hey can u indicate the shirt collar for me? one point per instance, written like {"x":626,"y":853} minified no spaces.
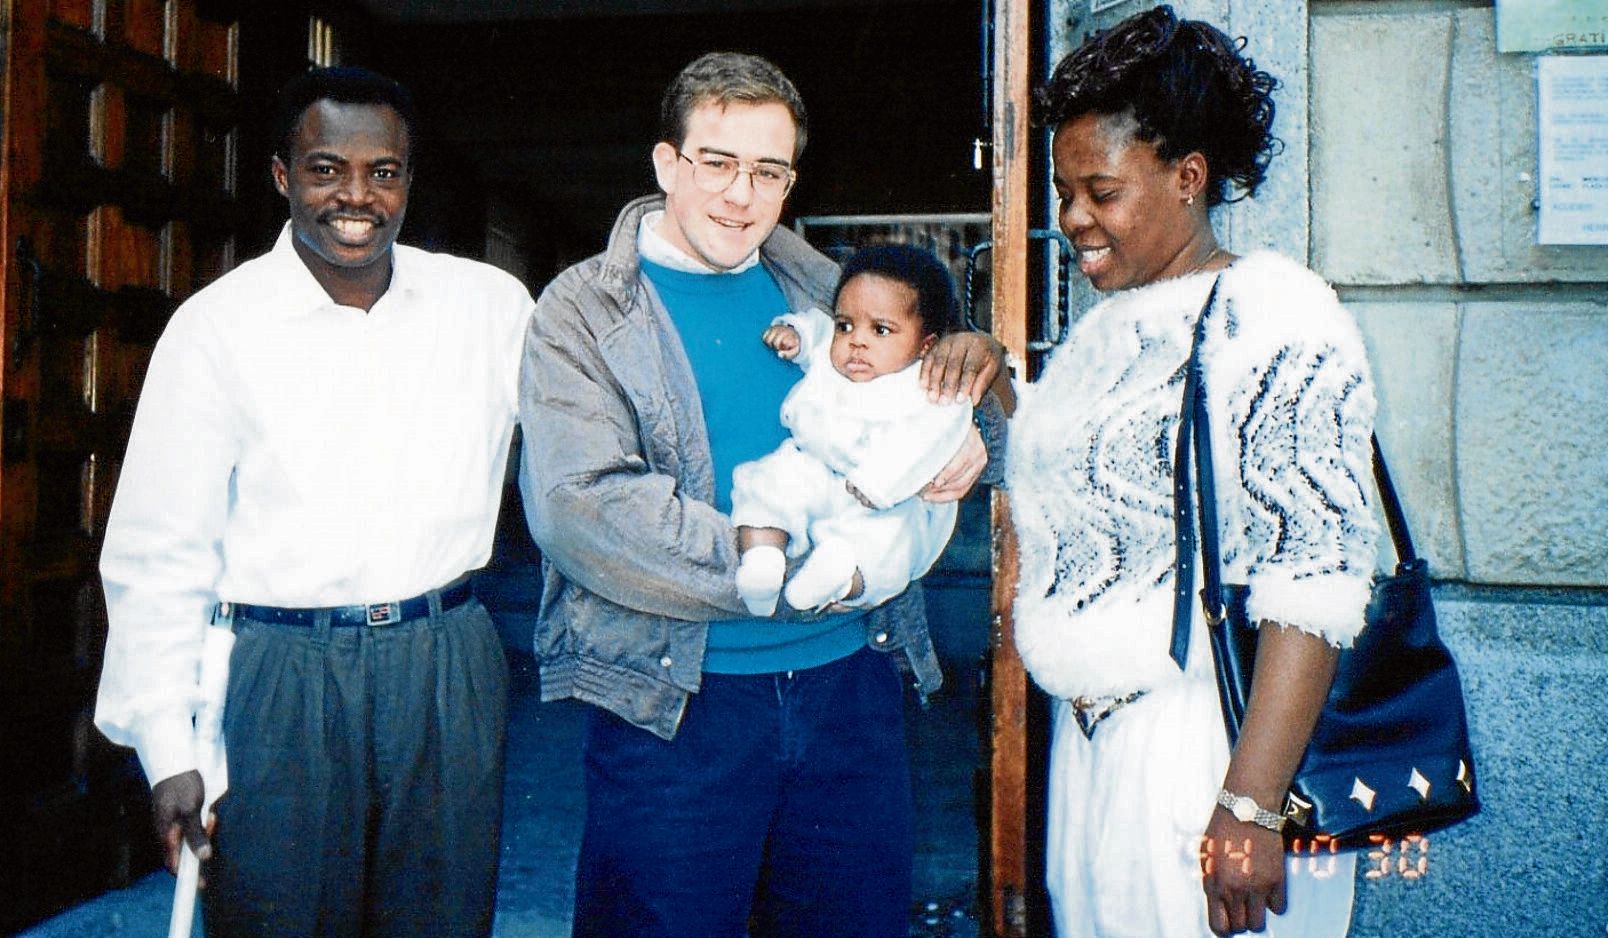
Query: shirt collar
{"x":656,"y":248}
{"x":303,"y":295}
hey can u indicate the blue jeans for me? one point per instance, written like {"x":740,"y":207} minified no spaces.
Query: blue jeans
{"x":782,"y":807}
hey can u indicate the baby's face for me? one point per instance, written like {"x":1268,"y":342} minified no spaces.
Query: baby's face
{"x":876,"y":329}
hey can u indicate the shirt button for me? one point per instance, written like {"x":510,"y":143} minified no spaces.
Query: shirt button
{"x":665,"y":662}
{"x":881,"y":638}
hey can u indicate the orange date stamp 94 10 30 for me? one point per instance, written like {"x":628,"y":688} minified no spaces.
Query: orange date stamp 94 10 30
{"x":1317,"y":856}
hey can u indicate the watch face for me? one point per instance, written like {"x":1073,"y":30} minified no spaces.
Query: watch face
{"x":1244,"y":808}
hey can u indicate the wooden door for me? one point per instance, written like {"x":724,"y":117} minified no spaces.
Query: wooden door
{"x":1016,"y":899}
{"x":117,"y":199}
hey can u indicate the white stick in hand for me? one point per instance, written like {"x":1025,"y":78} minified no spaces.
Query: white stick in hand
{"x":184,"y":893}
{"x":209,"y":749}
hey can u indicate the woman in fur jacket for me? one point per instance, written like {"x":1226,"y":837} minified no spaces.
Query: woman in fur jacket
{"x":1155,"y":827}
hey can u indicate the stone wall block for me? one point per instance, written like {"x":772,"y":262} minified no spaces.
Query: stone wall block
{"x":1494,"y":168}
{"x":1412,"y":348}
{"x":1531,"y":438}
{"x":1381,"y":210}
{"x":1277,"y":217}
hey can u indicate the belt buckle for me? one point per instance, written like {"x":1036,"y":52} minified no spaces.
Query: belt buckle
{"x":1083,"y":710}
{"x":384,"y":613}
{"x":1091,"y":711}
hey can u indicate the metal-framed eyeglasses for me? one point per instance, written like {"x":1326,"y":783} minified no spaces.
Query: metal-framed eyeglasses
{"x":715,"y":172}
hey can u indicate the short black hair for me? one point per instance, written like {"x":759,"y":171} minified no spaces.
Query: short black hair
{"x":916,"y":268}
{"x":1189,"y":87}
{"x":344,"y":85}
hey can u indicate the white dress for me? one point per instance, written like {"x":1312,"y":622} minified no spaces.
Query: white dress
{"x":1090,"y":479}
{"x":882,"y":435}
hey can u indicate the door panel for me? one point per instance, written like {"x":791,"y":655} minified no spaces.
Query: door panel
{"x":118,"y":201}
{"x":1018,"y":905}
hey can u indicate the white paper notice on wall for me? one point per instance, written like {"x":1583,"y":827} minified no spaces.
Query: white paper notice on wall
{"x":1534,"y":25}
{"x":1572,"y":103}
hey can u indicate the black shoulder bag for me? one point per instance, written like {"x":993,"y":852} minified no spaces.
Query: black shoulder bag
{"x":1390,"y":753}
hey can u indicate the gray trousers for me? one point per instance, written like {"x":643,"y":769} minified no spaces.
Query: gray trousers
{"x":365,"y":779}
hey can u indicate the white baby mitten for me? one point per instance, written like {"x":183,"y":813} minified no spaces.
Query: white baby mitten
{"x":826,"y":577}
{"x":759,"y":578}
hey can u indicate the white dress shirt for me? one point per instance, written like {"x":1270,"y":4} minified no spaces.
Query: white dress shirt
{"x":290,"y":451}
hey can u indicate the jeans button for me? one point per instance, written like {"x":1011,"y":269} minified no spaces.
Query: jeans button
{"x":881,"y":638}
{"x":666,"y":661}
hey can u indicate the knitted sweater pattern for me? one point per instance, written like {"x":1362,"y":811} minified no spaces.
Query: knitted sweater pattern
{"x":1091,"y":461}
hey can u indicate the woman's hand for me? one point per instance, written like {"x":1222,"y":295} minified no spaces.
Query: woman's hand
{"x":1243,"y":867}
{"x":1292,"y":677}
{"x":961,"y":364}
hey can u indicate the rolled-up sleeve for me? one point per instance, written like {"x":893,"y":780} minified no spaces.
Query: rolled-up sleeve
{"x":994,"y":428}
{"x":1302,"y":529}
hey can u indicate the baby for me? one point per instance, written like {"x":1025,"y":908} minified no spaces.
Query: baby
{"x":865,"y":441}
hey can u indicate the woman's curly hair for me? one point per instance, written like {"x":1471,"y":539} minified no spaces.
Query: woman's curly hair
{"x":1187,"y":85}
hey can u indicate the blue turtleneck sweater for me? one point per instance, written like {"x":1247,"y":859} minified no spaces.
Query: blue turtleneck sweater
{"x":741,"y":384}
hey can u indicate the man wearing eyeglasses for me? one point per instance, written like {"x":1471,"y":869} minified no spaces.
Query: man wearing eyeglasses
{"x":743,"y":776}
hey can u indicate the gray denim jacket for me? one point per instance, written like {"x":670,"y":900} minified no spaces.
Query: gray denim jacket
{"x":618,"y":483}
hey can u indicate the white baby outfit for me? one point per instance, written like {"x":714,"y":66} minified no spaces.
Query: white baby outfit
{"x":1090,"y":479}
{"x":883,"y":436}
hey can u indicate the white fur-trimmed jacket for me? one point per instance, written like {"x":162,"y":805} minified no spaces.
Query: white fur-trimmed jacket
{"x":1091,"y":459}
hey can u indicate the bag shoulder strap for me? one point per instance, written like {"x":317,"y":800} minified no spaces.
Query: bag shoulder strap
{"x":1400,"y":536}
{"x":1183,"y":510}
{"x":1194,"y":433}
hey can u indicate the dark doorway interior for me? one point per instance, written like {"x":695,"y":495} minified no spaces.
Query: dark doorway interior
{"x":544,"y":125}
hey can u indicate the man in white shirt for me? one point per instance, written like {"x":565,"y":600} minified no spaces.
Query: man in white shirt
{"x":317,"y":462}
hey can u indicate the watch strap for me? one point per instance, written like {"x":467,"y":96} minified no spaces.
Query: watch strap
{"x":1245,"y":808}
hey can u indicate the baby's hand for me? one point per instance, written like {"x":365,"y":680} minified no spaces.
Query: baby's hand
{"x":783,"y":340}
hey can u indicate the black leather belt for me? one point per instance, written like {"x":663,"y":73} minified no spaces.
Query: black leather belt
{"x":453,"y":595}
